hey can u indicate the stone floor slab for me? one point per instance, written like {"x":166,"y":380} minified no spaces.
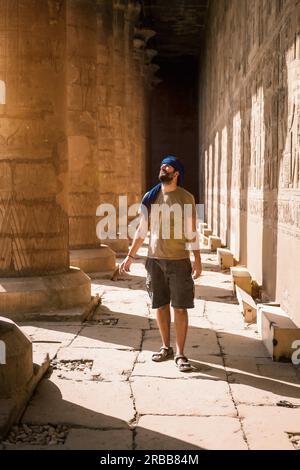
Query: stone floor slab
{"x":88,"y":404}
{"x":52,"y":332}
{"x":189,"y":433}
{"x":99,"y":336}
{"x":192,"y":396}
{"x":200,"y":341}
{"x":90,"y":439}
{"x":266,"y":427}
{"x":241,"y":345}
{"x":209,"y":367}
{"x":109,"y":364}
{"x":128,"y":316}
{"x":261,"y":391}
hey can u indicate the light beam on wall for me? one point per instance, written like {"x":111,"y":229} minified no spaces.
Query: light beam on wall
{"x":2,"y":92}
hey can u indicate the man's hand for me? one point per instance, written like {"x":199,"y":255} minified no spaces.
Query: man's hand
{"x":125,"y":265}
{"x":196,"y":269}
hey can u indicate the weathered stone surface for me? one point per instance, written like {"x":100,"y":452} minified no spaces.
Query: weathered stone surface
{"x":89,"y":439}
{"x":189,"y":433}
{"x":249,"y":119}
{"x":93,"y":405}
{"x":103,"y":385}
{"x":241,"y":345}
{"x":16,"y":366}
{"x":266,"y":427}
{"x":108,"y":364}
{"x":21,"y":391}
{"x":256,"y":390}
{"x":205,"y":367}
{"x":199,"y":342}
{"x":81,"y":58}
{"x":101,"y":259}
{"x":52,"y":333}
{"x":105,"y":337}
{"x":33,"y":141}
{"x":173,"y":397}
{"x":127,"y":315}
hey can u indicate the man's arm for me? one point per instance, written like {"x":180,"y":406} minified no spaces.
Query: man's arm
{"x":138,"y":240}
{"x":197,"y":265}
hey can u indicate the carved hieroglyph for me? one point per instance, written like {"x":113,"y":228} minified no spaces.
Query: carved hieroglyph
{"x":33,"y":150}
{"x":81,"y":56}
{"x":251,"y":87}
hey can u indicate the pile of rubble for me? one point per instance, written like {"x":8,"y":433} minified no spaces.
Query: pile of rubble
{"x":79,"y":366}
{"x":37,"y":434}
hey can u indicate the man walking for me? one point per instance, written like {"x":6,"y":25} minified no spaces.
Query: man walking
{"x":169,"y":271}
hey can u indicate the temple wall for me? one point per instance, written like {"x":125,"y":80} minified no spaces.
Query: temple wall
{"x":249,"y":110}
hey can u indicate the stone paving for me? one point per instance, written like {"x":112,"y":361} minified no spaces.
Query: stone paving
{"x":104,"y":392}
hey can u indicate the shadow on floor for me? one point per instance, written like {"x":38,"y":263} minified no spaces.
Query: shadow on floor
{"x":89,"y":428}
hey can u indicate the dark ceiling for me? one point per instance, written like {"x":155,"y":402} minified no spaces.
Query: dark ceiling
{"x":179,"y":25}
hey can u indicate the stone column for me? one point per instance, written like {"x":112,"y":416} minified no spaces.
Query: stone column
{"x":34,"y":251}
{"x":141,"y":79}
{"x":86,"y":251}
{"x":113,"y":98}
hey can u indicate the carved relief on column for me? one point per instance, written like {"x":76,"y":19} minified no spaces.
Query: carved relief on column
{"x":119,"y":118}
{"x":131,"y":17}
{"x":34,"y":242}
{"x":81,"y":122}
{"x":105,"y":129}
{"x":33,"y":156}
{"x":141,"y":84}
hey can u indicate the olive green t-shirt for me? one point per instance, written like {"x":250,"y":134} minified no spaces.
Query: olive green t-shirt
{"x":168,"y":239}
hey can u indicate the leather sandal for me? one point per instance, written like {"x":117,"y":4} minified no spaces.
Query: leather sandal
{"x":163,"y":354}
{"x":183,"y":365}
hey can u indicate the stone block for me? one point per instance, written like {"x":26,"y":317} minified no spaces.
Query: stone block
{"x":225,"y":258}
{"x":189,"y":432}
{"x":207,"y":232}
{"x":119,"y":246}
{"x":242,"y":278}
{"x":204,"y":240}
{"x":214,"y":242}
{"x":35,"y":180}
{"x":247,"y":305}
{"x":44,"y":293}
{"x":102,"y":259}
{"x":16,"y":365}
{"x":202,"y":226}
{"x":278,"y":332}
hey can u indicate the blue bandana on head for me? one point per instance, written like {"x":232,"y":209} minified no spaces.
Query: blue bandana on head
{"x":151,"y":195}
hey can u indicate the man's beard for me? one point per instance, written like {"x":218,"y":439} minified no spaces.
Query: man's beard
{"x":166,"y":178}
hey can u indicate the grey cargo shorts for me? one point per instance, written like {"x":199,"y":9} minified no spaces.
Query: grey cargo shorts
{"x":170,"y":280}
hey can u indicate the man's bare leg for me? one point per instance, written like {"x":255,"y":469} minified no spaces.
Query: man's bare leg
{"x":163,"y":317}
{"x":181,"y":327}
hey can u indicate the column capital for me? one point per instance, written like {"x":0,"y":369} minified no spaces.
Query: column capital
{"x":133,"y":10}
{"x":144,"y":34}
{"x":119,"y":5}
{"x":149,"y":55}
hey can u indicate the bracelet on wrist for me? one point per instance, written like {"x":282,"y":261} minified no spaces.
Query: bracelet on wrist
{"x":130,"y":256}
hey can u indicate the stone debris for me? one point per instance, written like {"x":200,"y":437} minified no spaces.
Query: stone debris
{"x":295,"y":440}
{"x":66,"y":366}
{"x":108,"y":321}
{"x":37,"y":434}
{"x":286,"y":404}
